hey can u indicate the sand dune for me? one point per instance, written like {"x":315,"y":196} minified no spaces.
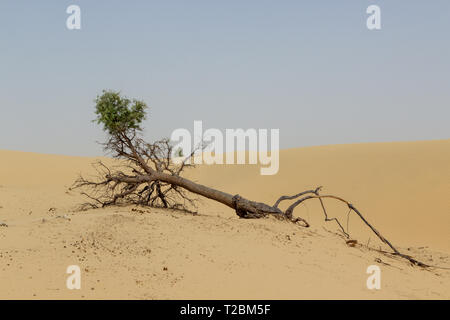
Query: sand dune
{"x":128,"y":252}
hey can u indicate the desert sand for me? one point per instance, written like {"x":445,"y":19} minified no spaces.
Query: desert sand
{"x":130,"y":252}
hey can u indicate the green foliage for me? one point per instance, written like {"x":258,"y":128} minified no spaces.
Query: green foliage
{"x":119,"y":114}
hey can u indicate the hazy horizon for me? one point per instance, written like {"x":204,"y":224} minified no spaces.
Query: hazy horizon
{"x":312,"y":70}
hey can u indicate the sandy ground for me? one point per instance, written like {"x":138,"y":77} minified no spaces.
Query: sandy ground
{"x":144,"y":253}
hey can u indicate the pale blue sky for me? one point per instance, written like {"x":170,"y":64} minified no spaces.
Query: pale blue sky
{"x":310,"y":68}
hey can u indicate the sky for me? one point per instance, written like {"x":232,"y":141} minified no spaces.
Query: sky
{"x":309,"y":68}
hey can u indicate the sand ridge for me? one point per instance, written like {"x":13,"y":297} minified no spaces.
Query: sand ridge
{"x":146,"y":253}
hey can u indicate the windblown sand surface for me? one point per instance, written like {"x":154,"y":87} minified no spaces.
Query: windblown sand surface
{"x":131,"y":252}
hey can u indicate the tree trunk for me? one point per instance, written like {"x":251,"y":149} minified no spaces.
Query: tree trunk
{"x":244,"y":207}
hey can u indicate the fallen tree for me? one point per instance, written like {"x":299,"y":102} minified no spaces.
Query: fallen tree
{"x":149,"y":177}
